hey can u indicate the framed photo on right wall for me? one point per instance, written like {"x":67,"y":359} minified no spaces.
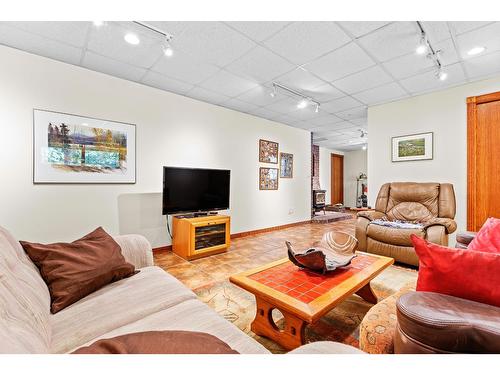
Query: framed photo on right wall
{"x":413,"y":147}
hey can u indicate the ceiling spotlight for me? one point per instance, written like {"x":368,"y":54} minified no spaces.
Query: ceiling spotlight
{"x":442,"y":75}
{"x":274,"y":92}
{"x":302,"y":104}
{"x":168,"y":51}
{"x":132,"y":38}
{"x":422,"y":47}
{"x":364,"y":147}
{"x":98,"y":23}
{"x":476,"y":51}
{"x":363,"y":133}
{"x":316,"y":110}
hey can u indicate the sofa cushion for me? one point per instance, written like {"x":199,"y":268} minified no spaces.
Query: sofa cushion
{"x":74,"y":270}
{"x":411,"y":201}
{"x":115,"y":305}
{"x":394,"y":236}
{"x":191,"y":315}
{"x":159,"y":342}
{"x":24,"y":301}
{"x":488,"y":237}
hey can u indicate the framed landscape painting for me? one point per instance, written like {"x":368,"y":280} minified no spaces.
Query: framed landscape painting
{"x":268,"y":151}
{"x":412,"y":147}
{"x":286,"y":165}
{"x":268,"y":178}
{"x":72,"y":149}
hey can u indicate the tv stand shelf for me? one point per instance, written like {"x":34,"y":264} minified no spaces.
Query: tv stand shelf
{"x":196,"y":237}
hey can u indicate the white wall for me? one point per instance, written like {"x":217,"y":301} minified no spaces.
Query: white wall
{"x":355,"y":162}
{"x":171,"y":130}
{"x":445,"y":114}
{"x":325,"y":170}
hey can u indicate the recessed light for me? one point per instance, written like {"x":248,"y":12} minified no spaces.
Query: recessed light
{"x":476,"y":51}
{"x":131,"y":38}
{"x":302,"y":104}
{"x":98,"y":23}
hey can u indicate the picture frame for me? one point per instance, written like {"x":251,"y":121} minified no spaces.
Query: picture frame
{"x":75,"y":149}
{"x":268,"y":178}
{"x":413,"y":147}
{"x":286,"y":165}
{"x":268,"y":151}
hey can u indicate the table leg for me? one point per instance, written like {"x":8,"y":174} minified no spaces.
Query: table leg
{"x":367,"y":294}
{"x":291,"y":337}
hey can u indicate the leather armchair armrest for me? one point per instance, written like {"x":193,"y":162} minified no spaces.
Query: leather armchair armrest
{"x":136,"y":250}
{"x":371,"y":215}
{"x":464,"y":239}
{"x":449,"y":224}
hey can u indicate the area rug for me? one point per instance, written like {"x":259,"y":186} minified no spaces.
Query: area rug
{"x":341,"y":324}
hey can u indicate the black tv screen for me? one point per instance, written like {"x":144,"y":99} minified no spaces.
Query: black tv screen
{"x":192,"y":189}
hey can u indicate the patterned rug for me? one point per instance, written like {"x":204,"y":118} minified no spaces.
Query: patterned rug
{"x":341,"y":324}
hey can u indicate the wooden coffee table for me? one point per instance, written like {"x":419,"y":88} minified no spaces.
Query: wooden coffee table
{"x":303,"y":297}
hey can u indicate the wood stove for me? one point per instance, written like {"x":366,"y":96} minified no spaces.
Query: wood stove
{"x":319,"y":200}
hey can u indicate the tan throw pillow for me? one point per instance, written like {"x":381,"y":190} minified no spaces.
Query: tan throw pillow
{"x":74,"y":270}
{"x":159,"y":342}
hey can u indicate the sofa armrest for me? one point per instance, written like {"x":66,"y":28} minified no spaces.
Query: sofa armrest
{"x":371,"y":215}
{"x":136,"y":250}
{"x":464,"y":239}
{"x":449,"y":224}
{"x":326,"y":347}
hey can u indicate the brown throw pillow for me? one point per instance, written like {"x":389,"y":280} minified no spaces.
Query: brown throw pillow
{"x":74,"y":270}
{"x":159,"y":342}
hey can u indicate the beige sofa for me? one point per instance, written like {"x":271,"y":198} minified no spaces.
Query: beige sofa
{"x":148,"y":301}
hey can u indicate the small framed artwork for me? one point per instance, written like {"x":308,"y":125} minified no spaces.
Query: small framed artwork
{"x":73,"y":149}
{"x":286,"y":165}
{"x":412,"y":147}
{"x":268,"y":178}
{"x":268,"y":151}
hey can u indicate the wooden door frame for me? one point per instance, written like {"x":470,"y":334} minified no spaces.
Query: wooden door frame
{"x":332,"y":155}
{"x":472,"y":103}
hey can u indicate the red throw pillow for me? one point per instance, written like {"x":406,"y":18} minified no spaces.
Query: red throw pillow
{"x":473,"y":275}
{"x":488,"y":237}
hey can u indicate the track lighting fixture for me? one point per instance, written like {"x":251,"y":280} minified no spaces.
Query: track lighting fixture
{"x":422,"y":47}
{"x":363,"y":133}
{"x":274,"y":92}
{"x":304,"y":100}
{"x":316,"y":109}
{"x":425,"y":47}
{"x":167,"y":46}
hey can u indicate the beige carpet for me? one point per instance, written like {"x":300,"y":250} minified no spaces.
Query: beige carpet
{"x":341,"y":324}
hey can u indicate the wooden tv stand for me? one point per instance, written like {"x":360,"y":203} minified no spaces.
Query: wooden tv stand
{"x":197,"y":237}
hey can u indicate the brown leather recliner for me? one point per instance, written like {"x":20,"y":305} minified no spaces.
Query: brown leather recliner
{"x":431,"y":204}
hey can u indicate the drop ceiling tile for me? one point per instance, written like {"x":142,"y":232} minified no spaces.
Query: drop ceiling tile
{"x":227,"y":84}
{"x":286,"y":119}
{"x":354,"y":113}
{"x":211,"y":42}
{"x":307,"y":114}
{"x":341,"y":104}
{"x":360,"y":28}
{"x":299,"y":79}
{"x":260,"y":64}
{"x":301,"y":42}
{"x":488,"y":36}
{"x":108,"y":40}
{"x":396,"y":39}
{"x":73,"y":33}
{"x":205,"y":95}
{"x":448,"y":54}
{"x":340,"y":63}
{"x":284,"y":106}
{"x":260,"y":95}
{"x":258,"y":31}
{"x":239,"y":105}
{"x":381,"y":94}
{"x":184,"y":67}
{"x":362,"y":122}
{"x":408,"y":65}
{"x":112,"y":67}
{"x":166,"y":83}
{"x":428,"y":81}
{"x":461,"y":27}
{"x":28,"y":42}
{"x":266,"y":113}
{"x":366,"y":79}
{"x":324,"y":120}
{"x":483,"y":66}
{"x":324,"y":93}
{"x":436,"y":31}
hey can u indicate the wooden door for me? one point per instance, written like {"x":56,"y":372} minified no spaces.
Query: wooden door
{"x":337,"y":179}
{"x":483,"y":159}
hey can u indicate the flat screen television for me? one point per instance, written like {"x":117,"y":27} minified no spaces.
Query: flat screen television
{"x":195,"y":190}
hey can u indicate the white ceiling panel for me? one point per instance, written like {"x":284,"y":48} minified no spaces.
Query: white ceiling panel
{"x":300,"y":79}
{"x":284,"y":105}
{"x":266,"y":113}
{"x":324,"y":93}
{"x":205,"y":95}
{"x":259,"y":95}
{"x":460,"y":27}
{"x":341,"y":104}
{"x":396,"y":39}
{"x":301,"y":42}
{"x":258,"y":31}
{"x":185,"y":68}
{"x":166,"y":83}
{"x":366,"y":79}
{"x":324,"y":120}
{"x":483,"y":66}
{"x":427,"y":81}
{"x":382,"y":94}
{"x":340,"y":63}
{"x":286,"y":119}
{"x":408,"y":65}
{"x":353,"y":113}
{"x":437,"y":31}
{"x":360,"y":28}
{"x":227,"y":84}
{"x":239,"y":105}
{"x":109,"y":66}
{"x":260,"y":64}
{"x":488,"y":36}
